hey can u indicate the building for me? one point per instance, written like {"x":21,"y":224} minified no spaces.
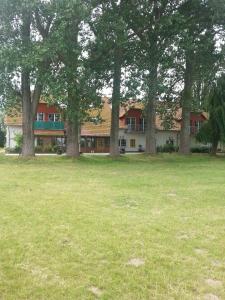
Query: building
{"x":49,"y":128}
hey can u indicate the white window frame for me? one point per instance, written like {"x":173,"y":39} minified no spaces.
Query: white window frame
{"x":38,"y":116}
{"x":54,"y":117}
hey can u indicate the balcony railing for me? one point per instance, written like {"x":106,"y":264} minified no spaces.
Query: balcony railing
{"x":135,"y":128}
{"x":42,"y":125}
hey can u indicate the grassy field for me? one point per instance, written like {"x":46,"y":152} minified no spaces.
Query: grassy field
{"x":134,"y":228}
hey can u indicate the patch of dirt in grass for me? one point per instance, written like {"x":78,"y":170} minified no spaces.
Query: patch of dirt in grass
{"x":136,"y":262}
{"x":211,"y":297}
{"x":96,"y":291}
{"x":172,"y":194}
{"x":216,"y":263}
{"x":43,"y":275}
{"x":156,"y":212}
{"x":214,"y":283}
{"x":183,"y":237}
{"x":200,"y":251}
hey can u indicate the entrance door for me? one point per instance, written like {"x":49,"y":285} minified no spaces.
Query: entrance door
{"x":100,"y":145}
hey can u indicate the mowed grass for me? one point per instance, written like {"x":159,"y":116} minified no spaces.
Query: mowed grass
{"x":69,"y":229}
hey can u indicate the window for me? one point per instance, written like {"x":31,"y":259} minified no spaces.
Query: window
{"x":123,"y":143}
{"x":51,"y":117}
{"x":57,"y":117}
{"x":132,"y":143}
{"x":141,"y":124}
{"x":54,"y":117}
{"x":131,"y":123}
{"x":40,"y":116}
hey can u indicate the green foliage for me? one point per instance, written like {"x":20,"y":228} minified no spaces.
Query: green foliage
{"x":167,"y":148}
{"x":19,"y":141}
{"x":2,"y":138}
{"x":2,"y":130}
{"x":213,"y":131}
{"x":205,"y":134}
{"x":201,"y":149}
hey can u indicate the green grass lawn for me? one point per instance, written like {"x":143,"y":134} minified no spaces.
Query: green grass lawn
{"x":75,"y":229}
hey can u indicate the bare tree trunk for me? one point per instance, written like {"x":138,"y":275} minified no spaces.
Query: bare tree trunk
{"x":27,"y":125}
{"x":72,"y":142}
{"x":186,"y":107}
{"x":73,"y":126}
{"x":29,"y":100}
{"x":150,"y":112}
{"x":114,"y":134}
{"x":27,"y":111}
{"x":214,"y":147}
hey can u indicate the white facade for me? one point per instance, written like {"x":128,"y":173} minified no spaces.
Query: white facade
{"x":11,"y":132}
{"x":133,"y":140}
{"x":136,"y":139}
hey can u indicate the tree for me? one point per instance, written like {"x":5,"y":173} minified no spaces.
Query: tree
{"x":111,"y":53}
{"x":214,"y":130}
{"x":25,"y":57}
{"x":153,"y":24}
{"x":70,"y":80}
{"x":2,"y":131}
{"x":196,"y":50}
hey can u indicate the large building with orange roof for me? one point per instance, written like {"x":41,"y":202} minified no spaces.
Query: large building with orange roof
{"x":50,"y":129}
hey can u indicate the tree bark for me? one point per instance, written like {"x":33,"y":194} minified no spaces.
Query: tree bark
{"x":114,"y":133}
{"x":214,"y":147}
{"x":151,"y":112}
{"x":30,"y":100}
{"x":27,"y":111}
{"x":73,"y":126}
{"x":186,"y":107}
{"x":72,"y":142}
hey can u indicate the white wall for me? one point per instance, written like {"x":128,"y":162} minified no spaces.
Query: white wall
{"x":11,"y":132}
{"x":161,"y":138}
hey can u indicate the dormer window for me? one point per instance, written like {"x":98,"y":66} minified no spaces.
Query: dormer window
{"x":54,"y":117}
{"x":131,"y":122}
{"x":40,"y":116}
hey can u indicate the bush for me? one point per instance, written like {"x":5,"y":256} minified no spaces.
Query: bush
{"x":19,"y":142}
{"x":201,"y":149}
{"x":167,"y":148}
{"x":59,"y":149}
{"x":48,"y":149}
{"x":39,"y":149}
{"x":2,"y":138}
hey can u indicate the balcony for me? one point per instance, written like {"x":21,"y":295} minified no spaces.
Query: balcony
{"x":41,"y":125}
{"x":135,"y":128}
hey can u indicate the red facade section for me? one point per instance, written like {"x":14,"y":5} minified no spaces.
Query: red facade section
{"x":132,"y":113}
{"x":46,"y":109}
{"x":196,"y":121}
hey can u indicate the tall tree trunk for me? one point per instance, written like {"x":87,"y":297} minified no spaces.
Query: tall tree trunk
{"x":114,"y":134}
{"x":72,"y":142}
{"x":73,"y":126}
{"x":150,"y":111}
{"x":27,"y":124}
{"x":27,"y":112}
{"x":214,"y":146}
{"x":186,"y":106}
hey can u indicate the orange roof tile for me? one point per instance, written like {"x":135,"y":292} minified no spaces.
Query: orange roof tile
{"x":101,"y":129}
